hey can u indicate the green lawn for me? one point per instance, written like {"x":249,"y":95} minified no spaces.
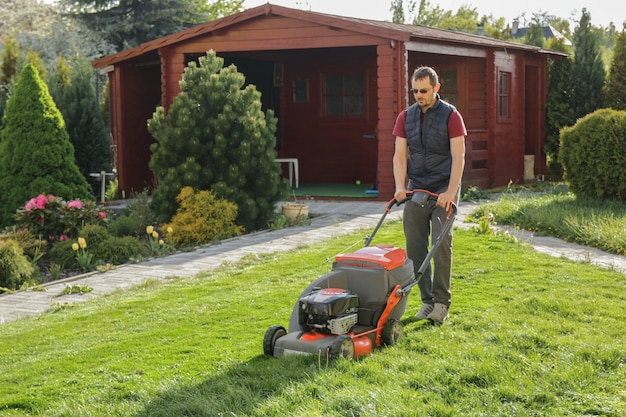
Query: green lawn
{"x":529,"y":335}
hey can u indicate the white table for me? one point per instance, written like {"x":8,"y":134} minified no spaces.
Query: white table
{"x":293,"y":166}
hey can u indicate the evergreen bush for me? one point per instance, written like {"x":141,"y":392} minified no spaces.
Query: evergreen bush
{"x":61,"y":253}
{"x":202,"y":218}
{"x":592,"y":154}
{"x":15,"y":267}
{"x":117,"y":250}
{"x":215,"y":136}
{"x":36,"y":156}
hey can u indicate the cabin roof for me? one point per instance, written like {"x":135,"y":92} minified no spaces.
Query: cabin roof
{"x":390,"y":30}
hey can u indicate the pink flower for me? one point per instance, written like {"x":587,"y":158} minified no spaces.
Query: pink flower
{"x":38,"y":203}
{"x":63,"y":237}
{"x":75,"y":204}
{"x":102,"y":214}
{"x":41,"y":201}
{"x":30,"y":205}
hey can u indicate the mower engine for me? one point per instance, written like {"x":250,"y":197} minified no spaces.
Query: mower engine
{"x":329,"y":310}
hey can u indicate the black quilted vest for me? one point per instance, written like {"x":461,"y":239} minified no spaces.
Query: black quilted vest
{"x":430,"y":160}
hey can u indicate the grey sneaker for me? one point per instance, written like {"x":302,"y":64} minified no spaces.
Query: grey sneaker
{"x":424,"y":312}
{"x":439,"y":314}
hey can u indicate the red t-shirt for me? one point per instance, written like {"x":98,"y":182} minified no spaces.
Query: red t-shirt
{"x":456,"y":126}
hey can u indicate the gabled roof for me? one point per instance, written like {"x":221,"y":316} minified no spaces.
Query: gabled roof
{"x":394,"y":31}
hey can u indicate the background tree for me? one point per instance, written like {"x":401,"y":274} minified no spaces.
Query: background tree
{"x":615,"y":88}
{"x":36,"y":156}
{"x":74,"y":92}
{"x":8,"y":72}
{"x":128,"y":23}
{"x":397,"y":11}
{"x":587,"y":74}
{"x":558,"y":112}
{"x":216,"y":137}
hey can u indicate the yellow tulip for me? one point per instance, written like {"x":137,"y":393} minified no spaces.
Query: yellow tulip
{"x":169,"y":230}
{"x":75,"y":246}
{"x":155,"y":234}
{"x":82,"y":242}
{"x":149,"y":229}
{"x":161,"y":242}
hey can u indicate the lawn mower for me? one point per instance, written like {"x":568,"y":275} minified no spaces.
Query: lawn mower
{"x":358,"y":305}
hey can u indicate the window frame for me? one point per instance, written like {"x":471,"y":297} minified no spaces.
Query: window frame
{"x":504,"y":96}
{"x":345,"y":95}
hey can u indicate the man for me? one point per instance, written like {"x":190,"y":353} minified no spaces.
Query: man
{"x":429,"y":155}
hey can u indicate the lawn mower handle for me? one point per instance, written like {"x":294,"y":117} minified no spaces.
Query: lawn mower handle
{"x":409,"y":195}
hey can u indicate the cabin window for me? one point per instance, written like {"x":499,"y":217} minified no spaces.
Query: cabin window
{"x":344,"y":95}
{"x":301,"y":90}
{"x":449,"y":87}
{"x":504,"y":95}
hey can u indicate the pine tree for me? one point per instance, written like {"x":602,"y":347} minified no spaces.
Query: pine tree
{"x":615,"y":88}
{"x":588,"y":75}
{"x":216,"y":137}
{"x":36,"y":156}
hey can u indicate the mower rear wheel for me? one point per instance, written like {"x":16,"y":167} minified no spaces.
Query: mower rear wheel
{"x":272,"y":334}
{"x":392,"y":332}
{"x":342,"y":348}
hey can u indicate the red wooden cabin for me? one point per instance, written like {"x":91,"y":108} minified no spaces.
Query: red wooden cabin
{"x":337,"y":84}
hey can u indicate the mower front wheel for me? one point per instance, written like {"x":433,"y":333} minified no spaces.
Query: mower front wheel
{"x":342,"y":347}
{"x":392,"y":332}
{"x":272,"y":334}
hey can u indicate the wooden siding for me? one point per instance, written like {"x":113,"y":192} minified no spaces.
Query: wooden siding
{"x":330,"y":149}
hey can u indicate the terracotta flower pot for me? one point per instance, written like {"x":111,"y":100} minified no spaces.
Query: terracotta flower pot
{"x":293,"y":210}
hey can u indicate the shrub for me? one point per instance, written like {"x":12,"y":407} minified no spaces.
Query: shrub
{"x":104,"y":248}
{"x":201,"y":218}
{"x":61,"y":253}
{"x":15,"y":267}
{"x":137,"y":216}
{"x":33,"y":247}
{"x":94,"y":234}
{"x":53,"y":218}
{"x":592,"y":154}
{"x":215,"y":136}
{"x":119,"y":250}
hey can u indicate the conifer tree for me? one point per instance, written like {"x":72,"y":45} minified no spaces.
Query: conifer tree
{"x":615,"y":88}
{"x":216,"y":137}
{"x":74,"y":92}
{"x":588,"y":75}
{"x":36,"y":156}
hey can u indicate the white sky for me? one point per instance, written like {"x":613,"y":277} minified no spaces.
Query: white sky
{"x":602,"y":11}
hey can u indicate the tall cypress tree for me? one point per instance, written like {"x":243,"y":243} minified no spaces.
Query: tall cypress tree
{"x":615,"y":88}
{"x":588,"y":75}
{"x":216,"y":137}
{"x":36,"y":155}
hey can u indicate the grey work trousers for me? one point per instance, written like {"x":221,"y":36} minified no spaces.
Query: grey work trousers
{"x":418,"y":221}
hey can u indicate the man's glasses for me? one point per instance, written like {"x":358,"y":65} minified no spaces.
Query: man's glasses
{"x":421,"y":91}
